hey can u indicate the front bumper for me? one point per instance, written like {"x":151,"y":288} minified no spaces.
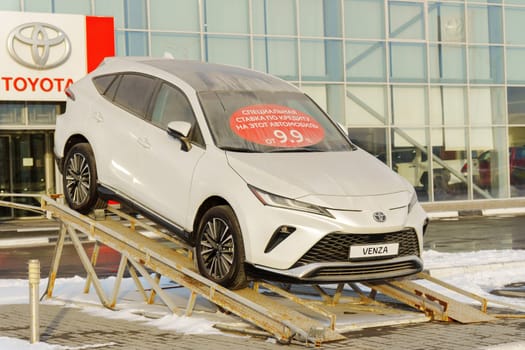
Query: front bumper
{"x":342,"y":272}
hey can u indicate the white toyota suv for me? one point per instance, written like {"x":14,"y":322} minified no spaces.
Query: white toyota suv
{"x":243,"y":166}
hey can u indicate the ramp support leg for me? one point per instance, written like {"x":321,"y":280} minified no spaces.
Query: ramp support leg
{"x":88,"y":267}
{"x":56,"y":260}
{"x":165,"y":298}
{"x":94,"y":258}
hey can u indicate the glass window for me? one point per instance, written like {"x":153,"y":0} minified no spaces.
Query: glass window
{"x":276,"y":56}
{"x":372,"y":140}
{"x":410,"y":158}
{"x":228,"y":50}
{"x":446,"y":22}
{"x":517,"y":161}
{"x":330,"y":97}
{"x":406,"y":20}
{"x":320,"y":18}
{"x":514,"y":19}
{"x":311,"y":18}
{"x":181,"y":46}
{"x":42,"y":113}
{"x":515,"y":60}
{"x":490,"y":170}
{"x":10,"y":5}
{"x":274,"y":17}
{"x":135,"y":14}
{"x":174,"y":14}
{"x":321,"y":60}
{"x":365,"y":19}
{"x":487,"y":105}
{"x":366,"y":61}
{"x":409,"y":105}
{"x":38,"y":6}
{"x":448,"y":106}
{"x":366,"y":105}
{"x":486,"y":64}
{"x":82,"y":7}
{"x":226,"y":16}
{"x":516,"y":105}
{"x":171,"y":105}
{"x":114,"y":9}
{"x":485,"y":24}
{"x":120,"y":43}
{"x":102,"y":82}
{"x":136,"y":44}
{"x":408,"y":62}
{"x":448,"y":64}
{"x":11,"y":113}
{"x":134,"y":93}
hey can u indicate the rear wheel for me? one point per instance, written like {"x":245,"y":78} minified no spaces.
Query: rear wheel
{"x":80,"y":179}
{"x":220,"y":249}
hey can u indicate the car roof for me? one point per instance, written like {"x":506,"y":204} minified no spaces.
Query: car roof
{"x":203,"y":76}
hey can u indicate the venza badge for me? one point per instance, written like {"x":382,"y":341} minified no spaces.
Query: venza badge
{"x":39,"y":45}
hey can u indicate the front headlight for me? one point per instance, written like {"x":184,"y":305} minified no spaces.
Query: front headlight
{"x":274,"y":200}
{"x":413,"y":201}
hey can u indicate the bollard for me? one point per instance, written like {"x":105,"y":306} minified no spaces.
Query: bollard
{"x":34,"y":284}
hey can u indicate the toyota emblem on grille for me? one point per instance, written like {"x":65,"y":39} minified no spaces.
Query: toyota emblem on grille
{"x":379,"y":216}
{"x":39,"y":45}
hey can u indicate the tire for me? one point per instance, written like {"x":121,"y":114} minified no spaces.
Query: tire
{"x":80,"y":179}
{"x":220,"y":249}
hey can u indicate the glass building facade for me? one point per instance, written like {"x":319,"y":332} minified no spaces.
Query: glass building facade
{"x":435,"y":89}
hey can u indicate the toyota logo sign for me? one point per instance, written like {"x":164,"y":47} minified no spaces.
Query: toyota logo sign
{"x":379,"y":216}
{"x":39,"y":45}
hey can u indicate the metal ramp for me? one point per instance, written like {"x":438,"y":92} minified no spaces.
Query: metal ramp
{"x":289,"y":317}
{"x":434,"y":304}
{"x":139,"y":253}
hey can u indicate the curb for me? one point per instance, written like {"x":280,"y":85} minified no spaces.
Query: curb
{"x":475,"y":212}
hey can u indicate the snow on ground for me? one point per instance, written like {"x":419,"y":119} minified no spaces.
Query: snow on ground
{"x":477,"y":272}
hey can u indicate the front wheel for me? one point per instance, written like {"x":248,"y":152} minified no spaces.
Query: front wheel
{"x":80,"y":179}
{"x":220,"y":248}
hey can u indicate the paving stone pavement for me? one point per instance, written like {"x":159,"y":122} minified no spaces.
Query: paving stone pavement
{"x":72,"y":328}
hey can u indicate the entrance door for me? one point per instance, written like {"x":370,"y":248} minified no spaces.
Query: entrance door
{"x":5,"y":175}
{"x":23,"y":169}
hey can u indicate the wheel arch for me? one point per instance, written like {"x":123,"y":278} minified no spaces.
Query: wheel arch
{"x":71,"y":141}
{"x":204,"y":207}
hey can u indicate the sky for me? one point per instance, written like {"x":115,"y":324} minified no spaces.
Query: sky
{"x":477,"y":272}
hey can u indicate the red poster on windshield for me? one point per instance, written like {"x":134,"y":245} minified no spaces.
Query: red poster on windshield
{"x":275,"y":125}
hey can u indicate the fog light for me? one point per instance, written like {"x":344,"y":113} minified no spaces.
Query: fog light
{"x":278,"y":236}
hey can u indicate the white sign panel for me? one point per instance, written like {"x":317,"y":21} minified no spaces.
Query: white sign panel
{"x":41,"y":54}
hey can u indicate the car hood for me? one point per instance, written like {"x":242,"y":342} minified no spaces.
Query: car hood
{"x":339,"y":180}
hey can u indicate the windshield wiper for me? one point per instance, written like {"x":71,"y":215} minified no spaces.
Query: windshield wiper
{"x":294,"y":149}
{"x":238,"y":149}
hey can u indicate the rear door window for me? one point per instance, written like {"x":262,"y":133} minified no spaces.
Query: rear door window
{"x":134,"y":93}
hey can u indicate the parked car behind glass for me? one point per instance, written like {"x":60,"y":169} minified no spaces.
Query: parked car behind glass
{"x":241,"y":165}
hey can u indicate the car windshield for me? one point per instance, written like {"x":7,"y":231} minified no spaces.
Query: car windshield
{"x":263,"y":121}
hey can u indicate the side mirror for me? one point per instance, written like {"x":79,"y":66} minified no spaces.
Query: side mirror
{"x":181,"y":130}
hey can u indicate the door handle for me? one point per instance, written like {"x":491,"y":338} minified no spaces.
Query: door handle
{"x":143,"y":141}
{"x":98,"y":117}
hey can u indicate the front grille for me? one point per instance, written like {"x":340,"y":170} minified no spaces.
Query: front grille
{"x":367,"y":271}
{"x":335,"y":246}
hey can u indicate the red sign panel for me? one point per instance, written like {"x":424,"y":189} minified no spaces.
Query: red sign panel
{"x":276,"y":125}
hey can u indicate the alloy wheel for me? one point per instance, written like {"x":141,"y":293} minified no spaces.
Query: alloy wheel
{"x":217,"y":248}
{"x":78,"y":178}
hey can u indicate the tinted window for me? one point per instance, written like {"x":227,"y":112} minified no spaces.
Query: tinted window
{"x":102,"y":82}
{"x":172,"y":105}
{"x":134,"y":93}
